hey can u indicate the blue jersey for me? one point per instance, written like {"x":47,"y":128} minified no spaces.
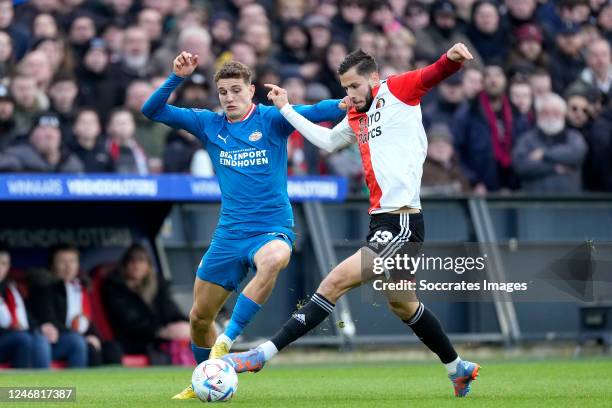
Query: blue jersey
{"x":249,"y":157}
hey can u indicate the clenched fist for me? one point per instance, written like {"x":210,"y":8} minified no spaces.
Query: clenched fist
{"x":459,"y":53}
{"x":185,"y":64}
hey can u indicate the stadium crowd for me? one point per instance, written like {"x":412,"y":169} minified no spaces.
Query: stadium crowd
{"x":532,"y":112}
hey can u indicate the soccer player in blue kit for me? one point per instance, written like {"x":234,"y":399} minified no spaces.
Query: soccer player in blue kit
{"x":247,"y":144}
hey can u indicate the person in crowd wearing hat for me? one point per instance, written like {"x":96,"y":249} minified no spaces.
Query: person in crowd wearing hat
{"x":442,"y":33}
{"x":548,"y":159}
{"x":87,"y":142}
{"x":485,"y":134}
{"x":441,"y":170}
{"x":598,"y":72}
{"x":43,"y":152}
{"x":566,"y":60}
{"x":21,"y":342}
{"x":529,"y":49}
{"x":449,"y":101}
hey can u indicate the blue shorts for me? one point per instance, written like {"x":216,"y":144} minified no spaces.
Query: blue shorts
{"x":227,"y":261}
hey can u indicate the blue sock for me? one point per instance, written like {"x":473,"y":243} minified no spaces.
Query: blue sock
{"x":200,"y":353}
{"x":243,"y":312}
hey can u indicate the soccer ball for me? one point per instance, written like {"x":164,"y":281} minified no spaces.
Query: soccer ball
{"x":214,"y":380}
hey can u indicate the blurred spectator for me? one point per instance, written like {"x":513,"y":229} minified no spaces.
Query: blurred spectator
{"x":62,"y":93}
{"x":566,"y":61}
{"x":8,"y":127}
{"x":295,"y":48}
{"x":400,"y":51}
{"x":36,"y":65}
{"x":43,"y":153}
{"x":151,"y":21}
{"x":252,"y":14}
{"x":151,"y":136}
{"x":296,"y":89}
{"x":441,"y":170}
{"x":7,"y":59}
{"x":18,"y":32}
{"x":598,"y":72}
{"x":260,"y":38}
{"x":604,"y":21}
{"x":472,"y":82}
{"x":21,"y":342}
{"x":61,"y":303}
{"x":450,"y":99}
{"x":442,"y":33}
{"x":541,"y":83}
{"x":44,"y":26}
{"x":521,"y":97}
{"x":351,"y":13}
{"x":28,"y":101}
{"x":87,"y":143}
{"x":58,"y":53}
{"x":127,"y":155}
{"x":486,"y":133}
{"x":520,"y":12}
{"x":573,"y":11}
{"x":487,"y":33}
{"x":549,"y":159}
{"x":98,"y":86}
{"x":265,"y":74}
{"x":329,"y":75}
{"x":319,"y":29}
{"x":136,"y":56}
{"x":140,"y":306}
{"x":222,"y":31}
{"x":195,"y":40}
{"x":82,"y":30}
{"x":417,"y":16}
{"x":529,"y":49}
{"x":291,"y":9}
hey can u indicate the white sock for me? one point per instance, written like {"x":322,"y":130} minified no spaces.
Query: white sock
{"x":224,"y":339}
{"x":269,"y":350}
{"x":452,"y":366}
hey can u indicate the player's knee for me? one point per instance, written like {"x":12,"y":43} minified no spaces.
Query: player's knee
{"x":273,"y":262}
{"x":199,"y":320}
{"x":403,"y":310}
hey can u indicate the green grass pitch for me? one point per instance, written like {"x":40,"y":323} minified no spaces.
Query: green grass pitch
{"x":556,"y":383}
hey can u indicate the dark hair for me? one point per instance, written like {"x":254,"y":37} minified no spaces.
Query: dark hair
{"x":133,"y":252}
{"x":363,"y":63}
{"x":234,"y":69}
{"x":56,"y":249}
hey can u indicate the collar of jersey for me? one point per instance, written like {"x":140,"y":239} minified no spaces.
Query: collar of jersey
{"x":246,"y":115}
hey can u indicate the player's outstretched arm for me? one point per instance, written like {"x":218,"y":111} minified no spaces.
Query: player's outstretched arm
{"x":410,"y":86}
{"x":156,"y":108}
{"x":324,"y":138}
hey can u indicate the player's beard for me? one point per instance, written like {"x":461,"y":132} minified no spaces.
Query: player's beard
{"x":368,"y":102}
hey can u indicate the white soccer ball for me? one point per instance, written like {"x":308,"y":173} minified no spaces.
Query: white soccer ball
{"x":214,"y":380}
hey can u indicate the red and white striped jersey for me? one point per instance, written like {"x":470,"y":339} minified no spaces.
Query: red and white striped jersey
{"x":391,"y":137}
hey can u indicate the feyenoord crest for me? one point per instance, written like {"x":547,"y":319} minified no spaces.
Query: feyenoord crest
{"x":255,"y":136}
{"x":380,"y":103}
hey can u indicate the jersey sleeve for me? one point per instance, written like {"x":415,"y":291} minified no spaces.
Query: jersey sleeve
{"x":323,"y":111}
{"x":156,"y":109}
{"x":410,"y":86}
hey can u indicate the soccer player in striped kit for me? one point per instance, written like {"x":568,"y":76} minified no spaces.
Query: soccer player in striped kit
{"x":385,"y":120}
